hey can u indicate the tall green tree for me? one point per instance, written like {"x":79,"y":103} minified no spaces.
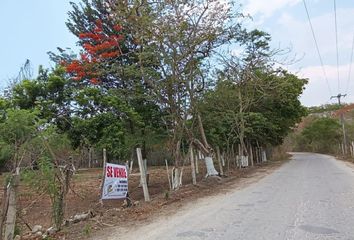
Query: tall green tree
{"x":189,"y":32}
{"x":170,"y":66}
{"x":243,"y":72}
{"x":322,"y":135}
{"x":259,"y":111}
{"x":119,"y":98}
{"x":18,"y":128}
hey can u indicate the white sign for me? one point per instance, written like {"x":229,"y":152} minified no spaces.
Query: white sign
{"x":115,"y":184}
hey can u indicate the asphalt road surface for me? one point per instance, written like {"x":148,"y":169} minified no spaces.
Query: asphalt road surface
{"x":310,"y":197}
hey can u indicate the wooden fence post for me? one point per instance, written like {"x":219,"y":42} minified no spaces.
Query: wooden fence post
{"x":10,"y":222}
{"x":147,"y":177}
{"x":131,"y":167}
{"x":142,"y":175}
{"x":103,"y":172}
{"x":4,"y":206}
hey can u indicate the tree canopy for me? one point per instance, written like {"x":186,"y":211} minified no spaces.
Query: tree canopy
{"x":155,"y":73}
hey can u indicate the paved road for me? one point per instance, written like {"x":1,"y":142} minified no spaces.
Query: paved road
{"x":310,"y":197}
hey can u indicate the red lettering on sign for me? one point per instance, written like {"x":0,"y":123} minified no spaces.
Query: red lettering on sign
{"x":116,"y":172}
{"x":109,"y":172}
{"x":123,"y":173}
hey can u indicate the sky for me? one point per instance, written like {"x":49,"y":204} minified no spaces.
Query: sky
{"x":32,"y":28}
{"x":287,"y":22}
{"x":29,"y":29}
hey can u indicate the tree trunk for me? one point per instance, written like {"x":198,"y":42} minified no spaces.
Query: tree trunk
{"x":194,"y":179}
{"x":243,"y":149}
{"x":198,"y":157}
{"x":176,"y":170}
{"x":223,"y":159}
{"x":211,"y":171}
{"x":59,"y":201}
{"x":228,"y":158}
{"x":176,"y":178}
{"x":264,"y":155}
{"x":239,"y":155}
{"x":168,"y":175}
{"x":251,"y":156}
{"x":90,"y":157}
{"x":58,"y":209}
{"x":218,"y":155}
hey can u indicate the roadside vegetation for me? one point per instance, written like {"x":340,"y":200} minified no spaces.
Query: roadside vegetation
{"x":155,"y":75}
{"x":323,"y":131}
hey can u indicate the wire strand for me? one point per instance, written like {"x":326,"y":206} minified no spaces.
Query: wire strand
{"x":317,"y":48}
{"x":336,"y":30}
{"x":350,"y":65}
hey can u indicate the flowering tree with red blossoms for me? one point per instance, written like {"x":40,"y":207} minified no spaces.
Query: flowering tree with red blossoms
{"x":98,"y":47}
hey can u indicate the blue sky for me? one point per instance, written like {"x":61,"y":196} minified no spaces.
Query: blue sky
{"x":31,"y":28}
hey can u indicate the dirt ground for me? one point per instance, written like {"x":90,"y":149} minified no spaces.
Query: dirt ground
{"x":85,"y":195}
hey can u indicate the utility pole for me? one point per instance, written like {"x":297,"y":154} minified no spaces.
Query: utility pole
{"x":339,"y":96}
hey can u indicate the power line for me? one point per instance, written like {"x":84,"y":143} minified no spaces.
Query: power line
{"x":339,"y":96}
{"x":336,"y":29}
{"x":350,"y":64}
{"x":317,"y":48}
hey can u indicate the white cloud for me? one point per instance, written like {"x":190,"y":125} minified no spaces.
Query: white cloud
{"x":291,"y":29}
{"x":317,"y":91}
{"x":299,"y":34}
{"x":266,"y":8}
{"x":296,"y":31}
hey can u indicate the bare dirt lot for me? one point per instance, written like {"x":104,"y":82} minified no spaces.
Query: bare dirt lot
{"x":309,"y":197}
{"x":34,"y":208}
